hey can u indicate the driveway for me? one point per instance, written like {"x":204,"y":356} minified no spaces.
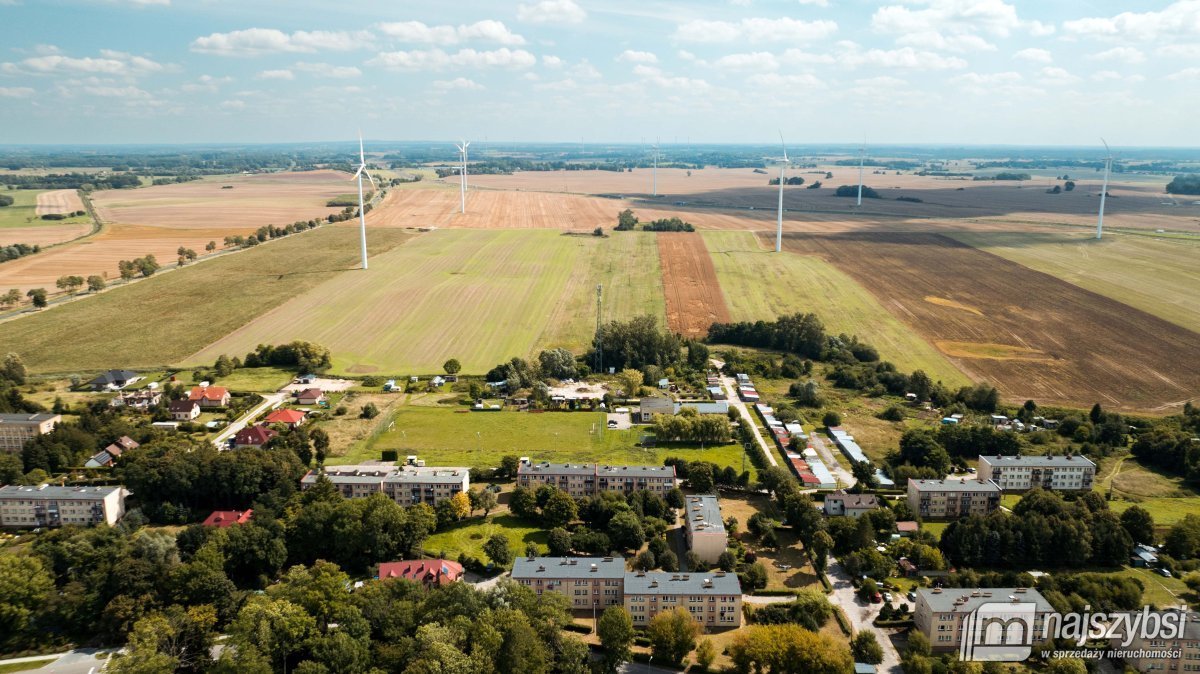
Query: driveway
{"x":736,"y":403}
{"x":326,"y":385}
{"x":861,"y":614}
{"x":269,"y":402}
{"x":79,"y":661}
{"x":844,"y":477}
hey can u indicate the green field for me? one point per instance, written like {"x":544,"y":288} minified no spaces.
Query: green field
{"x":470,"y":535}
{"x":452,"y":436}
{"x":256,"y":379}
{"x":481,"y":296}
{"x":23,"y":211}
{"x":763,"y":285}
{"x":1158,"y":275}
{"x":164,"y":319}
{"x":26,"y":666}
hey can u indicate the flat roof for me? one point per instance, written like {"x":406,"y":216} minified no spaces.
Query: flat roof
{"x":964,"y":600}
{"x":647,"y":471}
{"x":703,"y":514}
{"x":50,"y":492}
{"x":27,"y":418}
{"x":953,"y":485}
{"x":557,"y":468}
{"x":666,"y":582}
{"x":369,"y":474}
{"x":608,"y":568}
{"x":1033,"y":460}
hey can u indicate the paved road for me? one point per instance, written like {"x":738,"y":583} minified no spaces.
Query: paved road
{"x":844,"y":477}
{"x":80,"y":661}
{"x":269,"y":402}
{"x":735,"y":402}
{"x":861,"y":614}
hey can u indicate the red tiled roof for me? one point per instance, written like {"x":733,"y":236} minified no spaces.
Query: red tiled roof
{"x":208,"y":393}
{"x":433,"y":571}
{"x":285,"y":417}
{"x":254,"y":435}
{"x":228,"y":518}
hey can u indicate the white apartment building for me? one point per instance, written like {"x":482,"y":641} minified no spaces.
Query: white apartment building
{"x":714,"y":599}
{"x":1022,"y":473}
{"x":406,"y":485}
{"x":17,"y":429}
{"x":705,"y":530}
{"x":53,"y":506}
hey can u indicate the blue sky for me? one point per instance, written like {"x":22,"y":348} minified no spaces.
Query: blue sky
{"x":902,"y":71}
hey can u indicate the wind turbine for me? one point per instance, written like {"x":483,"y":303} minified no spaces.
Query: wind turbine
{"x":362,"y":212}
{"x":1104,"y":192}
{"x":862,"y":156}
{"x":462,"y":149}
{"x":782,"y":169}
{"x":654,"y":172}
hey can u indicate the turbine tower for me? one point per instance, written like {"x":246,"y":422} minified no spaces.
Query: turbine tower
{"x":862,"y":156}
{"x":779,"y":223}
{"x":1104,"y":192}
{"x":654,"y":172}
{"x":462,"y":172}
{"x":362,"y":212}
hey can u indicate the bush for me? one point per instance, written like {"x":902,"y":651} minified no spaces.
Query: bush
{"x":389,"y":455}
{"x":852,"y":191}
{"x":831,"y":419}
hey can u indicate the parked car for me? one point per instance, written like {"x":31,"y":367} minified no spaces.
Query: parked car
{"x":887,"y":596}
{"x":1164,"y":573}
{"x":971,"y":471}
{"x":876,"y":598}
{"x":912,"y":596}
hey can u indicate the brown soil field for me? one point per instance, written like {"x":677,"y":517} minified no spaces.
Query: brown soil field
{"x":43,"y":236}
{"x":693,"y":293}
{"x":494,"y":209}
{"x":252,"y":201}
{"x":1034,"y":336}
{"x":58,"y":201}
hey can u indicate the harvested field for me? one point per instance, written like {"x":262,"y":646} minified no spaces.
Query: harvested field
{"x":1094,"y":348}
{"x":25,"y":212}
{"x":493,"y":209}
{"x":43,"y":236}
{"x":59,"y":201}
{"x":694,"y":297}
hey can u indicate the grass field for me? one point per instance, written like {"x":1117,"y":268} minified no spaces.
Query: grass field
{"x":762,"y":285}
{"x":452,"y":436}
{"x":26,"y":666}
{"x":23,"y":211}
{"x":256,"y":379}
{"x":479,"y":296}
{"x":163,"y":320}
{"x":1157,"y":275}
{"x":470,"y":535}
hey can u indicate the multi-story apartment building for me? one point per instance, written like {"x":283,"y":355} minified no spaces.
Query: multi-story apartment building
{"x":17,"y":429}
{"x":714,"y":599}
{"x":588,"y":479}
{"x":949,"y":499}
{"x":1021,"y":473}
{"x":406,"y":485}
{"x":705,"y":530}
{"x":941,"y":614}
{"x":54,"y":506}
{"x":1158,"y":654}
{"x":591,"y":583}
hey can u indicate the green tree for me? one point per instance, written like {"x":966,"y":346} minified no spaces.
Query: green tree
{"x":95,"y":283}
{"x":10,"y":298}
{"x":25,"y":587}
{"x":706,"y":654}
{"x":12,"y":369}
{"x":672,"y":635}
{"x":625,"y":531}
{"x":452,"y":366}
{"x":918,"y":644}
{"x":483,"y":499}
{"x":559,"y":542}
{"x":630,"y":381}
{"x":626,"y":221}
{"x":788,"y":649}
{"x":615,"y":630}
{"x":320,"y":442}
{"x":831,"y":419}
{"x":497,"y":550}
{"x":277,"y":628}
{"x":38,"y":297}
{"x":1139,"y":523}
{"x":560,"y":509}
{"x":865,"y":648}
{"x":1065,"y":666}
{"x":700,"y":477}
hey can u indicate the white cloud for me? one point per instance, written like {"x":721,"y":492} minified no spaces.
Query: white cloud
{"x":117,"y":92}
{"x":327,"y":70}
{"x":256,"y":41}
{"x":777,"y":81}
{"x":1124,"y":54}
{"x":951,"y":17}
{"x":1005,"y":85}
{"x":415,"y":31}
{"x":1039,"y":29}
{"x":147,"y":3}
{"x":551,"y":61}
{"x":15,"y":92}
{"x":631,"y":56}
{"x":1191,"y":51}
{"x":1034,"y":55}
{"x":815,"y":3}
{"x":436,"y":59}
{"x":807,"y":57}
{"x":851,"y":55}
{"x":881,"y":82}
{"x":584,"y":70}
{"x":686,"y":55}
{"x":754,"y":30}
{"x":1110,"y":75}
{"x":109,"y":62}
{"x":956,"y":43}
{"x":1181,"y":19}
{"x":757,"y":61}
{"x":233,"y":105}
{"x":655,"y":76}
{"x":551,"y":11}
{"x":1051,"y":75}
{"x":1008,"y":77}
{"x":281,"y":74}
{"x":1185,"y":74}
{"x":457,"y":83}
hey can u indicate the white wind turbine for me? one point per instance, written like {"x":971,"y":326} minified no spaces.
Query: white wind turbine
{"x":654,"y":172}
{"x":362,"y":214}
{"x":782,"y":169}
{"x":462,"y":172}
{"x":862,"y":156}
{"x":1104,"y":192}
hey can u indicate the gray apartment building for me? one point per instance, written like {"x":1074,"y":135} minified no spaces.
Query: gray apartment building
{"x":951,"y":499}
{"x":941,"y":614}
{"x":17,"y":429}
{"x":713,"y":598}
{"x":54,"y":506}
{"x":588,"y":479}
{"x":1022,"y":473}
{"x":406,"y":485}
{"x":591,"y":583}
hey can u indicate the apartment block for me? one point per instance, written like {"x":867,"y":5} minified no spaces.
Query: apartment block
{"x":406,"y":485}
{"x":941,"y":614}
{"x":17,"y":429}
{"x":591,"y":583}
{"x":951,"y":499}
{"x":588,"y":479}
{"x":54,"y":506}
{"x":1178,"y":655}
{"x":1021,"y":473}
{"x":714,"y":599}
{"x":705,"y":530}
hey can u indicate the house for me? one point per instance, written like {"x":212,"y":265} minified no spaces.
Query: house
{"x":306,"y":379}
{"x":17,"y":429}
{"x":648,"y":407}
{"x":310,"y":396}
{"x":114,"y":380}
{"x":1144,"y":556}
{"x":906,"y":568}
{"x":907,"y":528}
{"x":951,"y":499}
{"x":184,"y":410}
{"x":137,"y":400}
{"x":1021,"y":473}
{"x":840,"y":503}
{"x":221,"y":519}
{"x":289,"y":418}
{"x":253,"y":436}
{"x":704,"y":528}
{"x":106,"y":457}
{"x":664,"y":384}
{"x":428,"y":572}
{"x":945,"y":615}
{"x":210,"y":396}
{"x":54,"y":506}
{"x":716,"y":393}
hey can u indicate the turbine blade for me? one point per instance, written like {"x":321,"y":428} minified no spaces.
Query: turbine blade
{"x":1106,"y":150}
{"x":361,"y":167}
{"x":368,"y":175}
{"x":362,"y":159}
{"x":784,"y":144}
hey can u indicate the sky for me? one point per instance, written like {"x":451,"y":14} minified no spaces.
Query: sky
{"x":1040,"y":72}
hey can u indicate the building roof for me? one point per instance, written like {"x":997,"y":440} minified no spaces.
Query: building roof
{"x":49,"y":492}
{"x":310,"y":393}
{"x":907,"y":526}
{"x":26,"y":418}
{"x":864,"y":668}
{"x":716,"y":407}
{"x":635,"y":471}
{"x":182,"y":405}
{"x":666,"y":582}
{"x":1061,"y":461}
{"x":657,"y":404}
{"x":959,"y":600}
{"x":609,"y":568}
{"x":373,"y":474}
{"x":854,"y":500}
{"x":439,"y":571}
{"x":101,"y":459}
{"x":703,"y":514}
{"x":114,"y":376}
{"x":208,"y":393}
{"x":254,"y":435}
{"x":228,"y":518}
{"x":125,"y":442}
{"x":285,"y":417}
{"x":557,"y":468}
{"x":952,"y":486}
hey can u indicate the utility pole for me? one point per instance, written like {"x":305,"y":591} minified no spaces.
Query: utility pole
{"x":599,"y":334}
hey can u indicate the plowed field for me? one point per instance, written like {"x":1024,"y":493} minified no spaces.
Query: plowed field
{"x":693,"y":293}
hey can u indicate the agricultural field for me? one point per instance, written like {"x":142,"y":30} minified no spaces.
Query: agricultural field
{"x":47,"y":234}
{"x":59,"y":202}
{"x":1032,"y":335}
{"x":430,"y":206}
{"x":694,"y":297}
{"x":29,"y":205}
{"x":481,"y":297}
{"x":162,"y":320}
{"x":760,"y":285}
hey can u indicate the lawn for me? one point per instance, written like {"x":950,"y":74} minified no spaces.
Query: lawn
{"x":1163,"y":495}
{"x":1159,"y":591}
{"x":759,"y":284}
{"x":256,"y":379}
{"x":469,"y":536}
{"x":935,"y":528}
{"x":479,"y":296}
{"x":26,"y":666}
{"x":452,"y":436}
{"x":23,"y":211}
{"x":162,"y":320}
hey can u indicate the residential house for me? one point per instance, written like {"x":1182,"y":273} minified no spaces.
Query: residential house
{"x":106,"y":457}
{"x":940,"y":614}
{"x":648,"y":407}
{"x":221,"y":519}
{"x":1144,"y":556}
{"x":840,"y":503}
{"x":17,"y":429}
{"x":184,"y":410}
{"x":714,"y":599}
{"x":591,"y":583}
{"x":428,"y":572}
{"x":951,"y":499}
{"x":253,"y":436}
{"x":289,"y":418}
{"x":1021,"y":473}
{"x":310,"y":396}
{"x":210,"y":396}
{"x":114,"y":380}
{"x":704,"y":528}
{"x":140,"y":401}
{"x":406,"y":485}
{"x":54,"y":506}
{"x":907,"y":528}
